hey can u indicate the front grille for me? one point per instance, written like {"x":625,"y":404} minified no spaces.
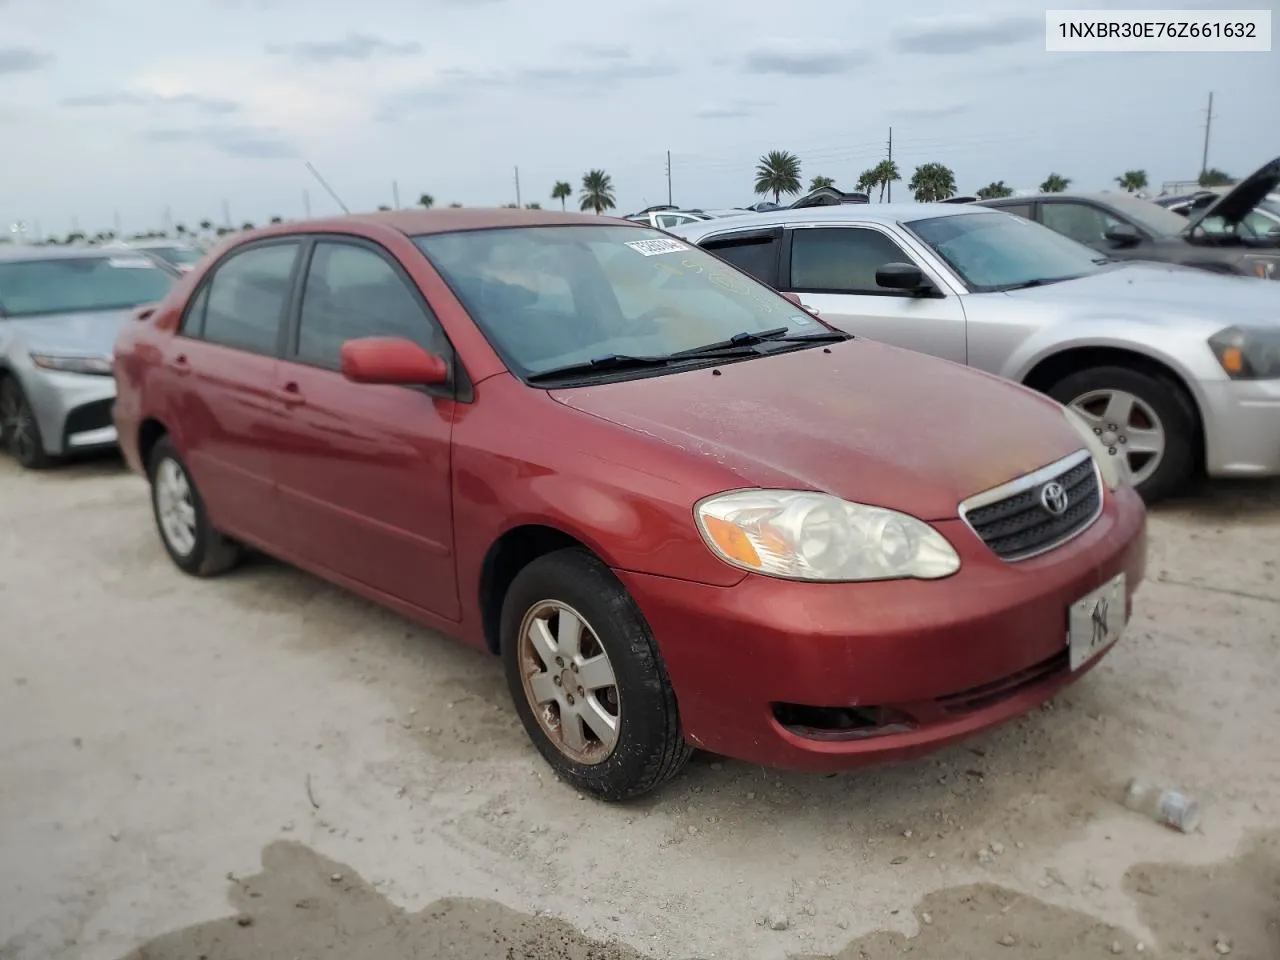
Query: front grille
{"x":90,"y":416}
{"x":1013,"y":520}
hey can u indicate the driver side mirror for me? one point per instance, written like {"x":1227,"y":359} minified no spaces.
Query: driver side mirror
{"x":904,"y":276}
{"x":1123,"y":235}
{"x":392,"y":361}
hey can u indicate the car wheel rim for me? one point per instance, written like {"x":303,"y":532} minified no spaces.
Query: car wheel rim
{"x":18,"y":423}
{"x":569,"y":682}
{"x":175,"y":508}
{"x":1127,"y":426}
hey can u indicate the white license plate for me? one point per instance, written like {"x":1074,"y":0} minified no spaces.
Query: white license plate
{"x":1095,"y":621}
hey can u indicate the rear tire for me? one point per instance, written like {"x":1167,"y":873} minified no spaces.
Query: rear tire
{"x":605,"y":667}
{"x":18,"y":428}
{"x":189,"y":538}
{"x":1160,"y":407}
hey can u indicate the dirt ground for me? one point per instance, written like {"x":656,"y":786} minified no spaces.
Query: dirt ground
{"x":263,"y":767}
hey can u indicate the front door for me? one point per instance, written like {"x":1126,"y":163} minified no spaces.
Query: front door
{"x":364,"y":470}
{"x":222,"y":370}
{"x":834,"y":270}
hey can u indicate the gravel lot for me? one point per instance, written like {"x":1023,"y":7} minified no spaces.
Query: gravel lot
{"x":263,"y":766}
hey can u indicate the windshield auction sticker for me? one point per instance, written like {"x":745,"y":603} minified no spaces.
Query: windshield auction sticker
{"x":651,"y":248}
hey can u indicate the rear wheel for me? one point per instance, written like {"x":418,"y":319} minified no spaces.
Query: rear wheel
{"x":188,"y":536}
{"x":586,"y":677}
{"x":1145,"y":421}
{"x":18,"y":428}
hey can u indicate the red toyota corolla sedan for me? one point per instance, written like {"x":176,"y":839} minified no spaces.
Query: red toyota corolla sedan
{"x":685,"y":512}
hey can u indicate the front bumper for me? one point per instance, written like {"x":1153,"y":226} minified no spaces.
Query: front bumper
{"x":73,"y":410}
{"x":937,"y":660}
{"x":1242,"y":427}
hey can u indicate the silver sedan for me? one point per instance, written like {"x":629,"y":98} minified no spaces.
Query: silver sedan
{"x":1176,"y":369}
{"x":60,"y":310}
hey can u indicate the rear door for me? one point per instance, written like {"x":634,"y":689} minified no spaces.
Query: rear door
{"x":223,"y":368}
{"x":363,"y":469}
{"x":833,"y":268}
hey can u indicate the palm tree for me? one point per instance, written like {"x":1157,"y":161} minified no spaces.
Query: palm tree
{"x":817,"y":183}
{"x":1055,"y":183}
{"x":181,"y":229}
{"x":247,"y":225}
{"x":455,"y":206}
{"x":866,"y":181}
{"x":932,"y":181}
{"x":383,"y":208}
{"x":597,"y":192}
{"x":426,"y":201}
{"x":277,"y":219}
{"x":886,"y":173}
{"x":562,"y":191}
{"x":206,"y":225}
{"x":533,"y":206}
{"x":1213,"y":177}
{"x":778,"y":172}
{"x":995,"y":188}
{"x":1133,"y":180}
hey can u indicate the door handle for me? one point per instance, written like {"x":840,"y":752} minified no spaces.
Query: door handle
{"x":180,"y":365}
{"x":291,"y":395}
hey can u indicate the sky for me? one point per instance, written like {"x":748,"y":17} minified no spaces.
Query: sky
{"x":144,"y":113}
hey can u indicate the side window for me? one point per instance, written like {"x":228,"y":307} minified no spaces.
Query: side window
{"x":842,"y":260}
{"x":248,"y":296}
{"x":1017,"y":209}
{"x":756,"y":254}
{"x":352,"y":292}
{"x":1082,"y":223}
{"x":193,"y":319}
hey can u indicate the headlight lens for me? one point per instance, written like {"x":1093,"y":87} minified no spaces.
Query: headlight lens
{"x":1248,"y":353}
{"x":94,"y":365}
{"x":801,"y":535}
{"x":1114,"y":470}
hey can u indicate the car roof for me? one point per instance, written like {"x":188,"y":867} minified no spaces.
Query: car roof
{"x":862,"y":212}
{"x":15,"y":252}
{"x":418,"y":222}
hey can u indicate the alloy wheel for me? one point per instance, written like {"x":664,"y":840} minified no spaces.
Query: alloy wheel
{"x":1127,"y":426}
{"x":18,"y":424}
{"x":175,"y":507}
{"x":569,"y":682}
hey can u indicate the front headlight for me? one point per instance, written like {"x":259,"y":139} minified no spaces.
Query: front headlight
{"x":1248,"y":353}
{"x":65,"y":364}
{"x":1114,"y":469}
{"x":802,"y":535}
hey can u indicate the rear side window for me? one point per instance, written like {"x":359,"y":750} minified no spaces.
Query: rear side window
{"x":248,"y":297}
{"x":756,"y":254}
{"x":1017,"y":209}
{"x":841,"y":260}
{"x":353,"y":292}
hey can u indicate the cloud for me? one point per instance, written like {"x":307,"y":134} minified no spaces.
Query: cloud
{"x":241,"y":141}
{"x":730,"y":110}
{"x":796,"y":58}
{"x":967,"y":35}
{"x":125,"y":98}
{"x":22,"y":60}
{"x":354,"y":46}
{"x":600,"y":51}
{"x":930,"y":113}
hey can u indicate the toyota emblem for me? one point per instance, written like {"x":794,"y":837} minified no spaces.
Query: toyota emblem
{"x":1053,"y":497}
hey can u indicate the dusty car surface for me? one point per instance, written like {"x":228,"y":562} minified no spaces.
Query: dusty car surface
{"x":1176,"y":370}
{"x":60,"y":310}
{"x":685,"y":512}
{"x":1238,"y":233}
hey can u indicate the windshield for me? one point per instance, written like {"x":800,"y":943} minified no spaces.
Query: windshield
{"x":1000,"y":251}
{"x":178,"y":256}
{"x":1151,"y":217}
{"x":31,"y":288}
{"x":551,"y":297}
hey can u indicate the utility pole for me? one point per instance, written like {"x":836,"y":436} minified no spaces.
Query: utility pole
{"x":890,"y":183}
{"x":1208,"y":122}
{"x":395,"y":195}
{"x":117,"y":223}
{"x":517,"y":186}
{"x":669,"y":203}
{"x":226,"y":214}
{"x":168,"y":221}
{"x":306,"y":204}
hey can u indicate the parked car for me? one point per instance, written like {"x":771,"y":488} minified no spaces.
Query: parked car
{"x":1171,"y":366}
{"x":828,"y":197}
{"x":181,"y":256}
{"x":666,"y":217}
{"x":60,"y":309}
{"x":684,"y":512}
{"x":1235,"y":234}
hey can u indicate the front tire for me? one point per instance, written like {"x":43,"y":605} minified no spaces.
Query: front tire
{"x":18,"y":428}
{"x":587,"y":679}
{"x":1144,"y":419}
{"x":189,"y":538}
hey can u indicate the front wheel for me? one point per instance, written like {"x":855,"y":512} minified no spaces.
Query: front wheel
{"x":587,"y":679}
{"x":18,"y":428}
{"x":1145,"y":422}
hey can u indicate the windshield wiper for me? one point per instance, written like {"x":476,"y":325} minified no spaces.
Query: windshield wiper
{"x":733,"y":346}
{"x":612,"y":361}
{"x":1037,"y":282}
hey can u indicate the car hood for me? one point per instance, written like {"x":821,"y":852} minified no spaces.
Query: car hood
{"x":1161,"y":293}
{"x":863,"y":421}
{"x":90,"y":334}
{"x":1237,"y":203}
